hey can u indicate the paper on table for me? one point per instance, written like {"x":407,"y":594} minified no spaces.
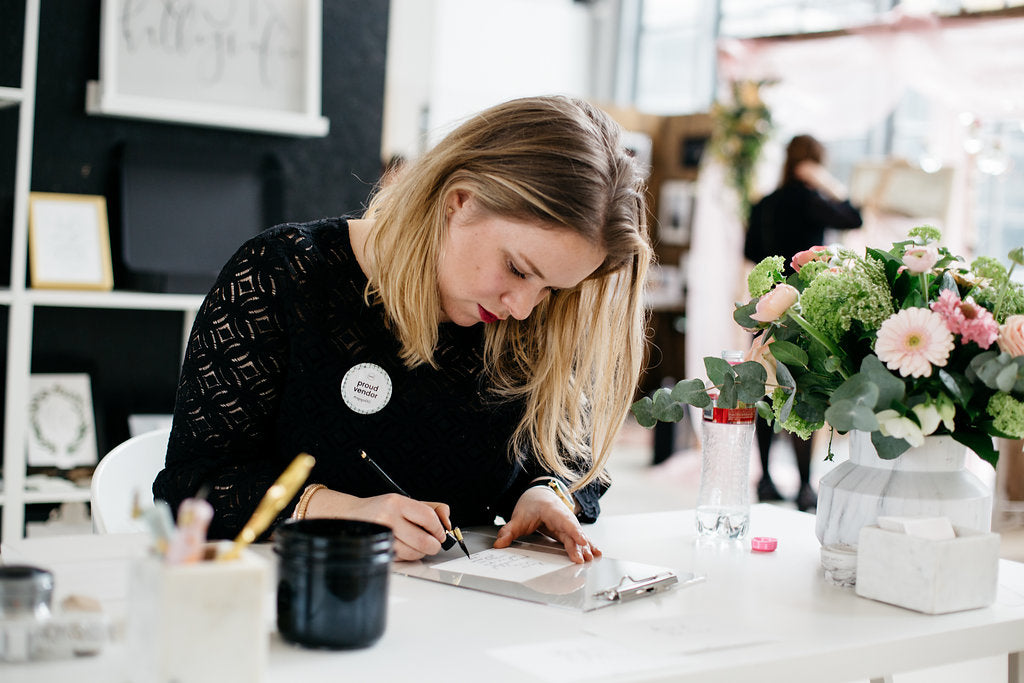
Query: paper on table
{"x":580,"y":659}
{"x":682,"y":635}
{"x":507,"y":564}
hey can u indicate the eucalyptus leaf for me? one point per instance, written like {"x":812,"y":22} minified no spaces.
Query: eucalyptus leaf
{"x":890,"y":388}
{"x":847,"y":414}
{"x":765,"y":411}
{"x":642,"y":411}
{"x":665,"y":409}
{"x":742,"y":316}
{"x":717,"y":369}
{"x":859,"y":389}
{"x":751,"y":377}
{"x":1006,"y":378}
{"x":728,"y":392}
{"x":787,"y":407}
{"x":888,"y":448}
{"x":691,"y":391}
{"x":785,"y":377}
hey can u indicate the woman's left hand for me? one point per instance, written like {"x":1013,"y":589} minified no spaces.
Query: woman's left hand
{"x":539,"y":509}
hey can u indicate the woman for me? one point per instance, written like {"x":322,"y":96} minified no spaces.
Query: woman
{"x":478,"y":332}
{"x":793,"y":218}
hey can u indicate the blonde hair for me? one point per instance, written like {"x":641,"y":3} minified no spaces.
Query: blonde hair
{"x":575,"y":361}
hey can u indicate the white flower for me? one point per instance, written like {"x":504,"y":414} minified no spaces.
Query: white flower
{"x":890,"y":423}
{"x":928,"y":415}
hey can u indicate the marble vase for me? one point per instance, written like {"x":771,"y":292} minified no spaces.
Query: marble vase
{"x":931,"y":480}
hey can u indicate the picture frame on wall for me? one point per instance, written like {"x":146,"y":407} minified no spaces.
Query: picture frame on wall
{"x":62,"y":424}
{"x":241,"y":65}
{"x":675,"y":211}
{"x":69,"y":242}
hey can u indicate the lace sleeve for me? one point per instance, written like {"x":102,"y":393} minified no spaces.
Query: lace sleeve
{"x":230,"y":390}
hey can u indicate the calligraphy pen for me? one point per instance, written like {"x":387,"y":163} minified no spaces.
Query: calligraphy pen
{"x":454,"y":535}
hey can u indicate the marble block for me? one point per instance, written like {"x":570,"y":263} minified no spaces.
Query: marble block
{"x":930,"y":576}
{"x":203,"y":622}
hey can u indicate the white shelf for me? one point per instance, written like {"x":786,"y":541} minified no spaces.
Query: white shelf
{"x":10,"y":96}
{"x":76,"y":496}
{"x":116,"y":299}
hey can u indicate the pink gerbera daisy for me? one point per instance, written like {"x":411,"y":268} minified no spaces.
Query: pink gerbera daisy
{"x":914,"y":340}
{"x":966,"y":318}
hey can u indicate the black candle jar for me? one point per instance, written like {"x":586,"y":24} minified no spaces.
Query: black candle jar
{"x":332,"y":589}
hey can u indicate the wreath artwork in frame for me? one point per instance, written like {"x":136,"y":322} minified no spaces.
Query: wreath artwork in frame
{"x":62,"y":426}
{"x":69,"y":241}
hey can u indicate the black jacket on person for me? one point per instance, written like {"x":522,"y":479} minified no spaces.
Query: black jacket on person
{"x":263,"y":380}
{"x":793,"y":218}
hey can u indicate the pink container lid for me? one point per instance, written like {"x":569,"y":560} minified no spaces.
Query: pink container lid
{"x":763,"y":544}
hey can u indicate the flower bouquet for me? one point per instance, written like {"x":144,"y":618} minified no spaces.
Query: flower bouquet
{"x":901,"y":343}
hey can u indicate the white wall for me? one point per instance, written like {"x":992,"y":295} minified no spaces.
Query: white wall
{"x":450,"y":58}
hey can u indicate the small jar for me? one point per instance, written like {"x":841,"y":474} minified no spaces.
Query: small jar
{"x":25,"y":594}
{"x":332,"y":589}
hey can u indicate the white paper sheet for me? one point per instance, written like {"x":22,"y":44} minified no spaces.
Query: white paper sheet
{"x":579,"y":659}
{"x":690,"y":634}
{"x":507,"y":564}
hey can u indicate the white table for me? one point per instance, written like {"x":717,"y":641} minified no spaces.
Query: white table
{"x":793,"y":625}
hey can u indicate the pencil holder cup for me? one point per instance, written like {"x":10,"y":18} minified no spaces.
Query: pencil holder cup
{"x":332,"y":589}
{"x":199,"y":622}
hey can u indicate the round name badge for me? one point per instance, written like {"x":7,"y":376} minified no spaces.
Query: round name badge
{"x":366,"y":388}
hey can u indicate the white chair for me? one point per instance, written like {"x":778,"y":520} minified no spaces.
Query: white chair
{"x":128,"y":469}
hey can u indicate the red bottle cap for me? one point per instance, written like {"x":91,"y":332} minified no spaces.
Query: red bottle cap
{"x":763,"y":544}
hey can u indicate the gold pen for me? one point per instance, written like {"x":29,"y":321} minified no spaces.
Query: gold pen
{"x":276,"y":497}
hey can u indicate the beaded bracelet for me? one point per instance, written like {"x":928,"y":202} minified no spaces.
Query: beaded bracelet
{"x":307,"y":494}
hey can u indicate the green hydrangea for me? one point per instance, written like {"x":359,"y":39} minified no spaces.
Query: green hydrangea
{"x":1000,"y":294}
{"x":1007,"y":414}
{"x":811,"y":270}
{"x":858,"y":292}
{"x":794,"y":423}
{"x":763,"y":277}
{"x":988,"y":267}
{"x":926,"y":233}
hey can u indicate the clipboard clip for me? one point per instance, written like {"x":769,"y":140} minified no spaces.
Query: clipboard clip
{"x":629,"y":588}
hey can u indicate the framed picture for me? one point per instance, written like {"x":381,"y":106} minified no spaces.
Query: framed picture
{"x":222,"y":63}
{"x":69,"y":241}
{"x":62,"y":426}
{"x":675,"y":211}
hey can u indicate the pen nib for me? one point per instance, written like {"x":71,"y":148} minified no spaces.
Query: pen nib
{"x":458,"y":537}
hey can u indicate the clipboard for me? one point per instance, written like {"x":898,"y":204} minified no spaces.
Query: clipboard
{"x":600,"y":583}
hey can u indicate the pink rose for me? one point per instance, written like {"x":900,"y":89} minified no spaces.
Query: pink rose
{"x":775,"y":303}
{"x":920,"y":259}
{"x":1011,"y":336}
{"x":800,"y":259}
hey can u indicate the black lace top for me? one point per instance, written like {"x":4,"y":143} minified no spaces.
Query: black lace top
{"x":262,"y":381}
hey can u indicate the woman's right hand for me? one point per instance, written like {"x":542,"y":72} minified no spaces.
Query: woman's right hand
{"x":419,"y":527}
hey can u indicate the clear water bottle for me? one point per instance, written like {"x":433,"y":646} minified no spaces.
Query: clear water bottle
{"x":723,"y":502}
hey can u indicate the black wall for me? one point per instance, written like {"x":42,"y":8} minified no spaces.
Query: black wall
{"x":133,"y":356}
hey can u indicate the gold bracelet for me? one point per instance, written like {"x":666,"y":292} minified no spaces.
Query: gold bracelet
{"x":307,"y":494}
{"x":559,"y":488}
